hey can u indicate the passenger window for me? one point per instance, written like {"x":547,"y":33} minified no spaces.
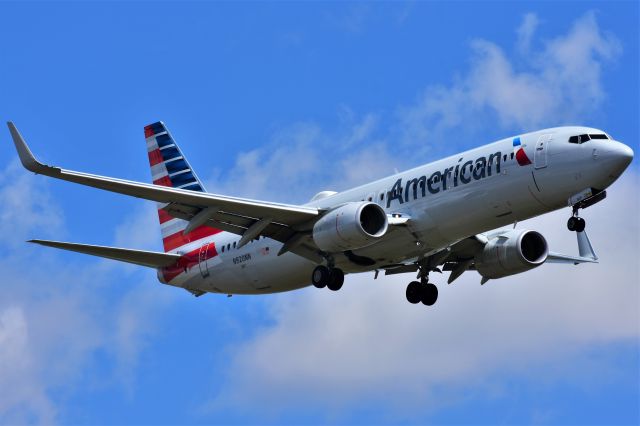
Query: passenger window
{"x":504,"y":157}
{"x":512,"y":155}
{"x":382,"y":196}
{"x":584,"y":138}
{"x":574,"y":139}
{"x":228,"y":246}
{"x":234,"y":244}
{"x":223,"y":249}
{"x":369,"y":198}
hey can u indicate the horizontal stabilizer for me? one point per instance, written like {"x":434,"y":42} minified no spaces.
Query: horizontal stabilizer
{"x":150,"y":259}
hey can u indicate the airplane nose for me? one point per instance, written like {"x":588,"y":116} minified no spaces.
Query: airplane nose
{"x":619,"y":156}
{"x":623,"y":154}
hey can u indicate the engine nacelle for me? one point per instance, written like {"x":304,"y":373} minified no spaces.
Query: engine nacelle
{"x":511,"y":253}
{"x":350,"y":227}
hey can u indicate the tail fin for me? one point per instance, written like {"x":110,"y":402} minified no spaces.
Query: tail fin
{"x":169,"y":167}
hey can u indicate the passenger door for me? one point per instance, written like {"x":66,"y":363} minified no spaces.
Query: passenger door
{"x":540,"y":153}
{"x":202,"y":259}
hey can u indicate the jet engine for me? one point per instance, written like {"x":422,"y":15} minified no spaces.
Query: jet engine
{"x":511,"y":253}
{"x":350,"y":227}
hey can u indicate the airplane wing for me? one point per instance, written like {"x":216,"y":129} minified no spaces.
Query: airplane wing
{"x":287,"y":223}
{"x":151,"y":259}
{"x":459,"y":257}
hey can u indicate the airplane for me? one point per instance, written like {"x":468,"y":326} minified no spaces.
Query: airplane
{"x":441,"y":216}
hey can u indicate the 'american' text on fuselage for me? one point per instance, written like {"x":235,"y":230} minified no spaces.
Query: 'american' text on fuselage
{"x":462,"y":173}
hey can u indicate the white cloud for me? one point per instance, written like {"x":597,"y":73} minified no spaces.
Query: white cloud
{"x":557,"y":84}
{"x":25,"y":205}
{"x":303,"y":159}
{"x":526,"y":31}
{"x":367,"y":343}
{"x":22,"y":396}
{"x":55,"y":315}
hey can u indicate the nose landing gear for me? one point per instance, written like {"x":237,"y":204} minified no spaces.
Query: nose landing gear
{"x":576,"y":223}
{"x":593,"y":196}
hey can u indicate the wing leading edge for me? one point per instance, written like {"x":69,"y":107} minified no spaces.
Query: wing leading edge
{"x":287,"y":223}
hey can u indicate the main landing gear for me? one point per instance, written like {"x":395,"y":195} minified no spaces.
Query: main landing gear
{"x":422,"y":291}
{"x":332,"y":278}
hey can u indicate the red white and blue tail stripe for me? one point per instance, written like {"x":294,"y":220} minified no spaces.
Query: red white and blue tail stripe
{"x":169,"y":167}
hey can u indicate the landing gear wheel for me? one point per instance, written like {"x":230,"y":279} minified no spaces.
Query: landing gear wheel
{"x":336,"y":279}
{"x":428,"y":294}
{"x":321,"y":276}
{"x":576,"y":224}
{"x":413,"y":292}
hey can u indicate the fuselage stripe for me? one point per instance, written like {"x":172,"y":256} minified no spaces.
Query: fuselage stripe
{"x":178,"y":239}
{"x":188,"y":261}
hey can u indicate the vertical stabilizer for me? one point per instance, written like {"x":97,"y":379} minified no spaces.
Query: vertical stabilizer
{"x":169,"y":167}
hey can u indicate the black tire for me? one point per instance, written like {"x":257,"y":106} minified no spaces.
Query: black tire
{"x":429,"y":294}
{"x":320,"y":276}
{"x":413,"y":292}
{"x":336,"y":279}
{"x":572,"y":223}
{"x":580,"y":225}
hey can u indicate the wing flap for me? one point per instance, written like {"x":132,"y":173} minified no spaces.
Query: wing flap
{"x":150,"y":259}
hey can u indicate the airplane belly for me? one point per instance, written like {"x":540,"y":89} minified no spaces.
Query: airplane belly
{"x":259,"y":270}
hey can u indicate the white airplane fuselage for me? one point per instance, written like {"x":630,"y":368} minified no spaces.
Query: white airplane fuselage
{"x":447,"y":200}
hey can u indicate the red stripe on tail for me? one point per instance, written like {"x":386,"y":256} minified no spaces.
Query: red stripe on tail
{"x":163,"y":181}
{"x":155,"y":157}
{"x":164,"y":216}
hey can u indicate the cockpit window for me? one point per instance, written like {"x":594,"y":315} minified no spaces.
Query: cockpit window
{"x":586,"y":138}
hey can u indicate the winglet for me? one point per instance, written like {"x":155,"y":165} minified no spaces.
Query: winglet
{"x":584,"y":246}
{"x":26,"y":157}
{"x":587,"y":254}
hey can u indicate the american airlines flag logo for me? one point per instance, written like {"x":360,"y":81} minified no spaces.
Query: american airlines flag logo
{"x":521,"y":156}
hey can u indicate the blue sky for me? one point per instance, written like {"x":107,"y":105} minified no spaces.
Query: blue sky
{"x":278,"y":101}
